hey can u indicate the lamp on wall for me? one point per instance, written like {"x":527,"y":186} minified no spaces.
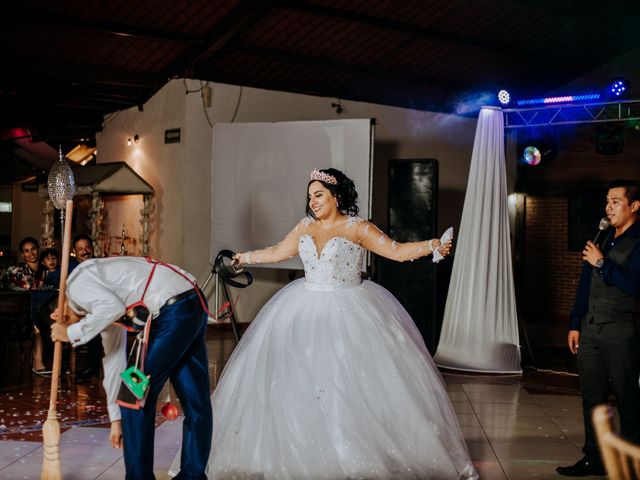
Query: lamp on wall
{"x":131,"y":140}
{"x":82,"y":154}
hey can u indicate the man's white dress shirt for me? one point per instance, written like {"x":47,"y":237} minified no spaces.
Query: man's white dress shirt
{"x":100,"y":289}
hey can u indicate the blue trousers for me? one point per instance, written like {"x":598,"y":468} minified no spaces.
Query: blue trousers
{"x":177,"y":351}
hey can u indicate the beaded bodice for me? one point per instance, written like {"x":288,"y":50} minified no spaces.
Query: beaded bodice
{"x":338,"y":264}
{"x":333,"y":256}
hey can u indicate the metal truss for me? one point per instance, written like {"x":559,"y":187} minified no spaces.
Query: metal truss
{"x":568,"y":114}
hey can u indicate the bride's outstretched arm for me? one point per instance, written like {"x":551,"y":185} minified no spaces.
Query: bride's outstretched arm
{"x":283,"y":250}
{"x":375,"y":240}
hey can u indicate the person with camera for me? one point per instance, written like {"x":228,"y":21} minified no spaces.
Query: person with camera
{"x":99,"y":294}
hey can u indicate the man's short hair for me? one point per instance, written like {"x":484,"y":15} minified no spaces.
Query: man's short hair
{"x":26,"y":240}
{"x":631,"y":189}
{"x":81,"y":236}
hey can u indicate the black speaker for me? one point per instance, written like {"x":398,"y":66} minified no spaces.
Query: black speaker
{"x":609,"y":139}
{"x":413,"y":186}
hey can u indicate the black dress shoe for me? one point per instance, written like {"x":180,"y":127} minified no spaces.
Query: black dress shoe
{"x":583,"y":468}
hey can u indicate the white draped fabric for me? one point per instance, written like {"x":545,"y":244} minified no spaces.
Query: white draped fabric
{"x":480,"y":327}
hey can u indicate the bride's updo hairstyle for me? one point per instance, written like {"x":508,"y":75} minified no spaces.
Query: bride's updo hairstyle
{"x":344,"y":191}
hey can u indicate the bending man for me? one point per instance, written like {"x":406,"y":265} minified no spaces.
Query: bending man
{"x":98,"y":294}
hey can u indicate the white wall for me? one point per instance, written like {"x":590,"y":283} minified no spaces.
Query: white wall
{"x":159,"y":164}
{"x":181,"y":173}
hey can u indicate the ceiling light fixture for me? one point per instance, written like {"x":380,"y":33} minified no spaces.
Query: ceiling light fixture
{"x":619,"y":88}
{"x":503,"y":97}
{"x":82,"y":154}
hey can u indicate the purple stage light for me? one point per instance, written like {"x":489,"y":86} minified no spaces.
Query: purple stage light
{"x":559,"y":99}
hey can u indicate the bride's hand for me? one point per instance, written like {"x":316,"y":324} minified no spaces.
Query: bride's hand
{"x":237,"y":260}
{"x":445,"y":249}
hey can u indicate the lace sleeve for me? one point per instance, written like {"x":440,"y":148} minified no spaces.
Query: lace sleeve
{"x":283,"y":250}
{"x":375,"y":240}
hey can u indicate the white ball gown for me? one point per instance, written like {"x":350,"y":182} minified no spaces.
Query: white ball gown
{"x":332,"y":380}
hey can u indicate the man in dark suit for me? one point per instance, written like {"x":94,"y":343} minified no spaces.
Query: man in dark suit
{"x":603,"y":331}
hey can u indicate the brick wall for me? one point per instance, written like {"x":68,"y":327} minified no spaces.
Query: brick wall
{"x":551,"y":271}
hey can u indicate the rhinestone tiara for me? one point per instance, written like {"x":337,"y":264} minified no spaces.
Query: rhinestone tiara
{"x":323,"y":177}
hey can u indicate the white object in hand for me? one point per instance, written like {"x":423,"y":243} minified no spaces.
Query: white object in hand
{"x":446,"y":236}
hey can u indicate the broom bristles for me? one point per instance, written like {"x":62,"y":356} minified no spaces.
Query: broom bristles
{"x":51,"y":429}
{"x":51,"y":449}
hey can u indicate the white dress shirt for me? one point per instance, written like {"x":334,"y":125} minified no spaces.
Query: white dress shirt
{"x":100,"y":289}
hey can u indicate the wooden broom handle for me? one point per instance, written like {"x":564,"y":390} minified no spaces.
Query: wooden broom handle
{"x":62,"y":298}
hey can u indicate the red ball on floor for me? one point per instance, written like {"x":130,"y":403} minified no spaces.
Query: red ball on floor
{"x":169,"y":411}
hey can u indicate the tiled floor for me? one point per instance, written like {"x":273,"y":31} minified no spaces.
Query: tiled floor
{"x":516,"y":427}
{"x":514,"y":434}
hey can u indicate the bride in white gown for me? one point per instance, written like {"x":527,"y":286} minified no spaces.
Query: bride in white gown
{"x":332,"y":380}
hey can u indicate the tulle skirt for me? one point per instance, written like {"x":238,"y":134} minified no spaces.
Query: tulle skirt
{"x":334,"y":385}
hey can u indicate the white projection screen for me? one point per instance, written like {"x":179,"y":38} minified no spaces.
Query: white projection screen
{"x":260,"y":174}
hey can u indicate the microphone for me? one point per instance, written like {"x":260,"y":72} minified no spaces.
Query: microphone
{"x":602,"y":226}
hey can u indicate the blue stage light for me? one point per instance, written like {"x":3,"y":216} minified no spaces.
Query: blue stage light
{"x":503,"y":97}
{"x":619,"y":88}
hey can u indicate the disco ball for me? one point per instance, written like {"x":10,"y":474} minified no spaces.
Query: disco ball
{"x":532,"y":156}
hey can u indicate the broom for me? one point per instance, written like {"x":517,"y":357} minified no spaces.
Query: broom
{"x":51,"y":429}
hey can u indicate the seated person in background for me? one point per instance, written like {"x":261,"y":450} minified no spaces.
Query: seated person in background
{"x":82,"y":247}
{"x":24,"y":276}
{"x":27,"y":276}
{"x":50,"y":267}
{"x":50,"y":276}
